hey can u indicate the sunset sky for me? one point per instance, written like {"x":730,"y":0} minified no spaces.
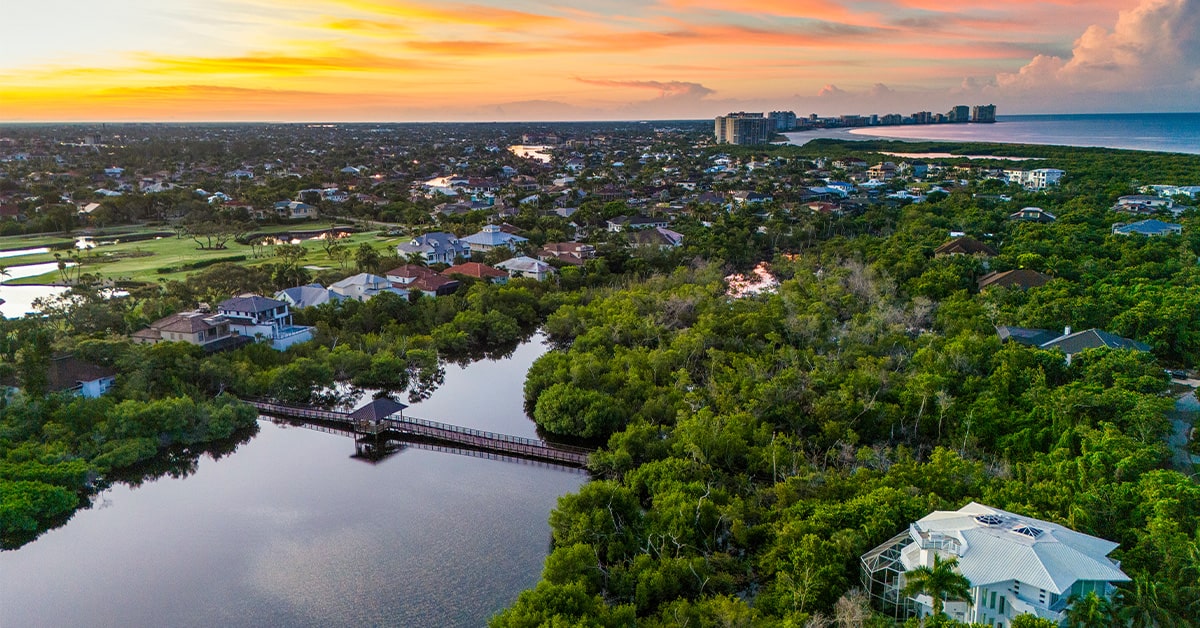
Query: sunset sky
{"x":402,"y":60}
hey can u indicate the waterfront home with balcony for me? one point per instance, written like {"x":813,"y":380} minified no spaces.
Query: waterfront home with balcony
{"x":1016,"y":565}
{"x":268,"y":320}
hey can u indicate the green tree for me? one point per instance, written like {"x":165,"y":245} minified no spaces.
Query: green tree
{"x":366,"y":258}
{"x":940,"y":582}
{"x":1091,"y":611}
{"x":1032,"y":621}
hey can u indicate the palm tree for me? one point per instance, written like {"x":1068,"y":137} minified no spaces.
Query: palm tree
{"x":1141,"y":604}
{"x":1091,"y":611}
{"x":940,"y":582}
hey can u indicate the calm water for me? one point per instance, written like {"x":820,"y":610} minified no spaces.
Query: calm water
{"x":1169,"y":132}
{"x":18,"y":300}
{"x":289,"y":530}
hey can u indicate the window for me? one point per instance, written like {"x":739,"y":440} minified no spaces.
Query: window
{"x":992,"y":604}
{"x":1001,"y":604}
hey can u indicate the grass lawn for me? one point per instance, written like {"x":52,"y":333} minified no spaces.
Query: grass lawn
{"x":140,"y":261}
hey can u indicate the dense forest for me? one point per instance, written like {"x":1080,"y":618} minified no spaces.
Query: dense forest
{"x":751,"y":449}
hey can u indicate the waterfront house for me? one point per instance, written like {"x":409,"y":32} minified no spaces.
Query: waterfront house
{"x":1149,"y":227}
{"x":413,"y":277}
{"x":70,"y":374}
{"x":526,"y":267}
{"x":437,"y":247}
{"x":295,"y":210}
{"x":307,"y":296}
{"x":1016,"y":565}
{"x":267,"y":320}
{"x":209,"y":331}
{"x":492,"y":237}
{"x":364,"y":286}
{"x":1022,"y":278}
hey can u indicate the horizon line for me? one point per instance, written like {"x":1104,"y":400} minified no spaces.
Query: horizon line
{"x":528,"y":121}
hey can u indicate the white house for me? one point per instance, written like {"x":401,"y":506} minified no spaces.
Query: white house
{"x":364,"y":286}
{"x":266,"y":319}
{"x":1016,"y":565}
{"x":1037,"y":179}
{"x":526,"y":267}
{"x":307,"y":296}
{"x":436,"y":247}
{"x":492,"y":237}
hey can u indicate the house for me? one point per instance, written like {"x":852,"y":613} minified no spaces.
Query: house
{"x":656,"y":237}
{"x":964,"y":246}
{"x":312,"y":295}
{"x":437,"y":247}
{"x":1142,"y":204}
{"x":269,"y":320}
{"x":204,"y":329}
{"x":1149,"y":227}
{"x":621,"y":223}
{"x":478,"y":271}
{"x":1032,"y":214}
{"x":1038,"y":179}
{"x":412,"y":277}
{"x":743,"y":197}
{"x":1069,"y":342}
{"x":882,"y":172}
{"x":1022,"y":278}
{"x":492,"y":237}
{"x":364,"y":286}
{"x":295,"y":210}
{"x":573,"y":253}
{"x":526,"y":267}
{"x":1025,"y":336}
{"x":1016,"y":565}
{"x":70,"y":374}
{"x":1072,"y":343}
{"x":574,"y":165}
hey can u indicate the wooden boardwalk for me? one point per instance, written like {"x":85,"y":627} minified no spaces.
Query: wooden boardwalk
{"x":401,"y":427}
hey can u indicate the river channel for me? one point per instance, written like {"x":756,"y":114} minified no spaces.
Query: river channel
{"x":290,"y":530}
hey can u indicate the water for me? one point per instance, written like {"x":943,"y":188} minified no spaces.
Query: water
{"x":540,"y":153}
{"x":290,"y":530}
{"x":20,"y":252}
{"x":1168,"y":132}
{"x":18,"y":300}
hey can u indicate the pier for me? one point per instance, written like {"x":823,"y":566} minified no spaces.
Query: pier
{"x":384,"y":419}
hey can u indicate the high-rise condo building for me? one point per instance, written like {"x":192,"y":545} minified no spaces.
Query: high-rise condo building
{"x":743,"y":128}
{"x":983,"y":113}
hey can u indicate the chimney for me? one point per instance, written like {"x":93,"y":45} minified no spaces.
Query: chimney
{"x":1067,"y":330}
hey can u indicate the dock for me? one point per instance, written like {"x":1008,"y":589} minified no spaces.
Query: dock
{"x":396,"y":426}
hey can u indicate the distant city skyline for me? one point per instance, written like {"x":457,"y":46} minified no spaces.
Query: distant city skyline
{"x":420,"y":60}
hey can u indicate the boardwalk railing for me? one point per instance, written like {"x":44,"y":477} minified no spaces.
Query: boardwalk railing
{"x":432,"y":430}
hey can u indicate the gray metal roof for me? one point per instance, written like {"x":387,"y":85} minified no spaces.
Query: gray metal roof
{"x":249,"y":303}
{"x":999,"y":546}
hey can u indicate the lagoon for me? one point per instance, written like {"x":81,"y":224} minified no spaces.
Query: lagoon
{"x":289,"y":529}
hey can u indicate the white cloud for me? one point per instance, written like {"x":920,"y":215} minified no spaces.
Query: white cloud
{"x":1151,"y":55}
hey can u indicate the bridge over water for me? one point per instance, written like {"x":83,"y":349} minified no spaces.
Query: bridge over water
{"x":384,"y":419}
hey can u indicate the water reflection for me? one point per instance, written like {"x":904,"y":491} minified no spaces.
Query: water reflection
{"x":288,"y":529}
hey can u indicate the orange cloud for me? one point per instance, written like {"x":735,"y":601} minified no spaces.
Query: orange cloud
{"x":667,"y":89}
{"x":451,"y":13}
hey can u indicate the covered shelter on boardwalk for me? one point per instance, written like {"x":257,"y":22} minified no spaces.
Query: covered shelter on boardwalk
{"x":368,"y":417}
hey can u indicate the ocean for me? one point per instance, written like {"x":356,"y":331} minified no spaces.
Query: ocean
{"x":1166,"y":132}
